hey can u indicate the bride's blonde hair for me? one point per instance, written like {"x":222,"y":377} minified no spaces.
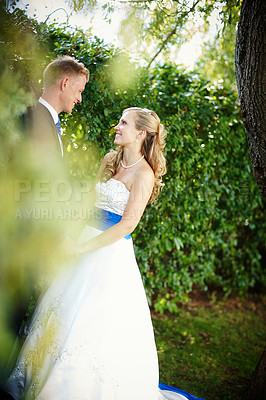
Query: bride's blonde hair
{"x":152,"y":147}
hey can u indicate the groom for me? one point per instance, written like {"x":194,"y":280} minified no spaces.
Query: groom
{"x":64,"y":81}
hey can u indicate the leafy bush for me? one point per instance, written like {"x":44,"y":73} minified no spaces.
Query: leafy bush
{"x":207,"y":227}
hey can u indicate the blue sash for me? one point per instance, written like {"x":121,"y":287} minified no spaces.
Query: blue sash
{"x":189,"y":396}
{"x":106,"y":219}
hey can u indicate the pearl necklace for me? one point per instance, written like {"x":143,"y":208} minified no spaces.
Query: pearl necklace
{"x":132,"y":165}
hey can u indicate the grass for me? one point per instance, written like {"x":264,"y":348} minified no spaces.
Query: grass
{"x":211,"y":348}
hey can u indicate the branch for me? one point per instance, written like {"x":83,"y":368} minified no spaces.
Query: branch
{"x":163,"y":44}
{"x":173,"y":32}
{"x":60,"y":8}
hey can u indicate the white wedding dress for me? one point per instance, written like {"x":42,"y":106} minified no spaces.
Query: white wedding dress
{"x":91,"y":337}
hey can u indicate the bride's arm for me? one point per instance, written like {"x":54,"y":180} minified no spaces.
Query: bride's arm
{"x":138,"y":199}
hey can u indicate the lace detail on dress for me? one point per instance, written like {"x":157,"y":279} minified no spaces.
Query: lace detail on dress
{"x":41,"y":349}
{"x":112,"y":196}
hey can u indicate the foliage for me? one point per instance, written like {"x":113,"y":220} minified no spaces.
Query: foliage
{"x":18,"y":264}
{"x":218,"y":56}
{"x":207,"y":227}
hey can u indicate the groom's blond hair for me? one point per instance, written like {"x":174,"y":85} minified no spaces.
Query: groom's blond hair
{"x":63,"y":66}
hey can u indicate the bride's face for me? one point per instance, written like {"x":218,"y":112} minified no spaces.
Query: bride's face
{"x":126,"y":132}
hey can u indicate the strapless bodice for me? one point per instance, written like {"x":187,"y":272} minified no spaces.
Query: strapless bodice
{"x":112,"y":196}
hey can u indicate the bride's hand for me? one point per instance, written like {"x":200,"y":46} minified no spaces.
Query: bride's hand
{"x":70,"y":248}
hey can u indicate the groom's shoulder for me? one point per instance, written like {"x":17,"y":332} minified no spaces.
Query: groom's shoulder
{"x":36,"y":116}
{"x":38,"y":111}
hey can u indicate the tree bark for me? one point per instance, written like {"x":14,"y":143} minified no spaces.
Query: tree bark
{"x":250,"y":68}
{"x":257,"y":387}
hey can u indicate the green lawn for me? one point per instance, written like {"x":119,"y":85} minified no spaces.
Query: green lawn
{"x":210,"y":349}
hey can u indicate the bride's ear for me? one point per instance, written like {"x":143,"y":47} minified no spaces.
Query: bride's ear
{"x":142,"y":134}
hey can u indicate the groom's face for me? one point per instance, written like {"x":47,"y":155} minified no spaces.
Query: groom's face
{"x":73,"y":88}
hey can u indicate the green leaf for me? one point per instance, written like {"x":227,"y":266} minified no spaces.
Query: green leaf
{"x":178,"y":243}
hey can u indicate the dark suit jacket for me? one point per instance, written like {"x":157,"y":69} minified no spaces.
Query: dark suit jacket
{"x":42,"y":132}
{"x":46,"y":163}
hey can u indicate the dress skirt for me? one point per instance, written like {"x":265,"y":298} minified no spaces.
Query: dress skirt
{"x":91,"y":337}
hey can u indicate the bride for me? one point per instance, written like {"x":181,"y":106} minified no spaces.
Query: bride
{"x":91,"y":337}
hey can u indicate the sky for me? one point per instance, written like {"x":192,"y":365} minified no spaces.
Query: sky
{"x":59,"y":10}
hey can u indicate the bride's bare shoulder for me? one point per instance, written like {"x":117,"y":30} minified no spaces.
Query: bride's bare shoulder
{"x":145,"y":173}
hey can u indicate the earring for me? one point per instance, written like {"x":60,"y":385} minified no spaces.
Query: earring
{"x":137,"y":140}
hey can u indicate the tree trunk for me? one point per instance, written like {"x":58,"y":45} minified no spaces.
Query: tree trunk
{"x":250,"y":66}
{"x":257,"y":387}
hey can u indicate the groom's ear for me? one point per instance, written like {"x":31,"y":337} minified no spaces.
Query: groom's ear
{"x":64,"y":83}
